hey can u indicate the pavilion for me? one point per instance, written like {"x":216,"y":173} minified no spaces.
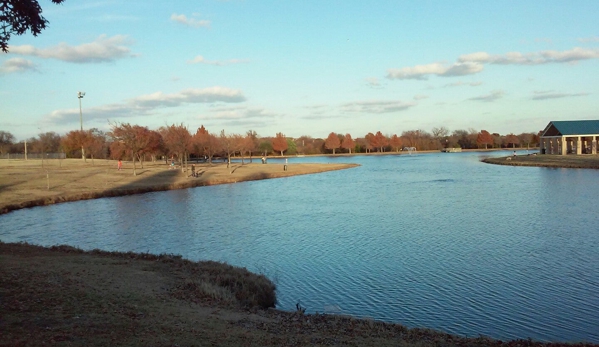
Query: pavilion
{"x":570,"y":137}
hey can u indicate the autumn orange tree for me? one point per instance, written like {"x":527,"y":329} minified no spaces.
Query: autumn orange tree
{"x":512,"y":139}
{"x":96,"y":146}
{"x":348,"y":143}
{"x":332,"y":142}
{"x":76,"y":140}
{"x":380,"y":141}
{"x":250,"y":143}
{"x":229,"y":144}
{"x":484,"y":138}
{"x":205,"y":142}
{"x":129,"y":141}
{"x":279,"y":143}
{"x":396,"y":142}
{"x":177,"y":141}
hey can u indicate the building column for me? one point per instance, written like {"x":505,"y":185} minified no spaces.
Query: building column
{"x":594,"y":145}
{"x":541,"y":145}
{"x":578,"y":146}
{"x":564,"y":146}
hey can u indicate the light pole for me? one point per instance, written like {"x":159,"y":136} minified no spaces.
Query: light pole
{"x":80,"y":96}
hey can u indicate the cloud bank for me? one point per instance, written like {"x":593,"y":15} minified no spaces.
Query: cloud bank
{"x":472,"y":63}
{"x":15,"y":65}
{"x":376,"y":106}
{"x":547,"y":95}
{"x":144,"y":104}
{"x":103,"y":49}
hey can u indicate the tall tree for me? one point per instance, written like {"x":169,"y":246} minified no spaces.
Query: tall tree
{"x":18,"y":16}
{"x":177,"y":140}
{"x":380,"y":141}
{"x":6,"y":141}
{"x":129,"y":144}
{"x":75,"y":140}
{"x":348,"y":143}
{"x":279,"y":143}
{"x":484,"y":138}
{"x":251,"y":142}
{"x":370,"y":142}
{"x":332,"y":142}
{"x":205,"y":141}
{"x":396,"y":142}
{"x":512,"y":139}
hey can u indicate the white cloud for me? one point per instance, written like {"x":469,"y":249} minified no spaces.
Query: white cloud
{"x":103,"y":49}
{"x":200,"y":60}
{"x":144,"y":104}
{"x":589,"y":39}
{"x":421,"y":72}
{"x":17,"y":65}
{"x":549,"y":94}
{"x":494,"y":95}
{"x":241,"y":113}
{"x":192,"y":22}
{"x":373,"y":81}
{"x":543,"y":57}
{"x":376,"y":106}
{"x":460,"y":84}
{"x":420,"y":97}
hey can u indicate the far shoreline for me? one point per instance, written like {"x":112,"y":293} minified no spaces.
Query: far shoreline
{"x":26,"y":184}
{"x":586,"y":161}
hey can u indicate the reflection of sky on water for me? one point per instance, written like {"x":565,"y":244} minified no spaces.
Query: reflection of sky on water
{"x":435,"y":240}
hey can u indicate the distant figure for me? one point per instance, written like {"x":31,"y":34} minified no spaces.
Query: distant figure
{"x":263,"y":160}
{"x":514,"y":153}
{"x":119,"y":165}
{"x":172,"y":163}
{"x":193,"y":170}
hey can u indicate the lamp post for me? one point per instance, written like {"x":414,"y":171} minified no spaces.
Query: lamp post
{"x":80,"y":96}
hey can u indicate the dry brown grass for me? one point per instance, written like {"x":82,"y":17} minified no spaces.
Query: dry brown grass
{"x":25,"y":183}
{"x":62,"y":296}
{"x":558,"y":161}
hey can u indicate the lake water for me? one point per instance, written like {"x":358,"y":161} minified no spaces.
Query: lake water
{"x":429,"y":240}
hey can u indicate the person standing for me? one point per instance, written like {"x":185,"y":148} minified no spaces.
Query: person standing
{"x":119,"y":165}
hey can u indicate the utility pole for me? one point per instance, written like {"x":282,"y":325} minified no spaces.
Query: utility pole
{"x":80,"y":96}
{"x":25,"y":149}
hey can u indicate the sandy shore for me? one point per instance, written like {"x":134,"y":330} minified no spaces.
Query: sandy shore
{"x":28,"y":183}
{"x":556,"y":161}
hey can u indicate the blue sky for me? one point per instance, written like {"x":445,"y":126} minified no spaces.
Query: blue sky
{"x":304,"y":67}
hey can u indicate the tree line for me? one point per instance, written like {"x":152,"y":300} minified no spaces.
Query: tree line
{"x":139,"y":143}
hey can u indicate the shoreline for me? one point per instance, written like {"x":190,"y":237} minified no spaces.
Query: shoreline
{"x":64,"y":295}
{"x":25,"y":184}
{"x":587,"y":161}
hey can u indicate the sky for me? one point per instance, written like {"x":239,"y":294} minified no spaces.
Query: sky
{"x":304,"y":67}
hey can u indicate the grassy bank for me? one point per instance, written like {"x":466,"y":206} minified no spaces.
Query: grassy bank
{"x":63,"y":296}
{"x":556,"y":161}
{"x":33,"y":183}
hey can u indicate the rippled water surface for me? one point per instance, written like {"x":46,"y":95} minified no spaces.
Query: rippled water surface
{"x":431,"y":240}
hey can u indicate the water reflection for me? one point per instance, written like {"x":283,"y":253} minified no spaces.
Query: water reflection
{"x":439,"y":240}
